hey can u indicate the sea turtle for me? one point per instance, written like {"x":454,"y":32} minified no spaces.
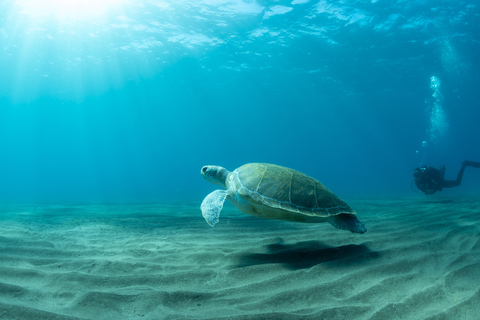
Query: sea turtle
{"x":274,"y":192}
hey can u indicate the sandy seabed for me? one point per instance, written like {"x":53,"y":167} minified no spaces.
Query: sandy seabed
{"x":420,"y":259}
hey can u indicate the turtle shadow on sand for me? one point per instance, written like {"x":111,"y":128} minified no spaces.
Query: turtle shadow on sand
{"x":306,"y":254}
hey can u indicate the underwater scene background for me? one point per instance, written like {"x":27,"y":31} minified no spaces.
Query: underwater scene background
{"x":127,"y":100}
{"x":110,"y":108}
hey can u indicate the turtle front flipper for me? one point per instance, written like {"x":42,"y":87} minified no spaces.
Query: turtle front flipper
{"x":348,"y":222}
{"x":212,"y":205}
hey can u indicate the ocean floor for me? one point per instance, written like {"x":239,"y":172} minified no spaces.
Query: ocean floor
{"x":420,"y":259}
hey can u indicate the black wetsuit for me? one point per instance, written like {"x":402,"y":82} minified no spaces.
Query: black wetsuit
{"x":430,"y":180}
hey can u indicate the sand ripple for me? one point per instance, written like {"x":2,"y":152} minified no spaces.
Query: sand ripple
{"x":420,"y":259}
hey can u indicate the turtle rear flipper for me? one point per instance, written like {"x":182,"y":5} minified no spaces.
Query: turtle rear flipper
{"x":348,"y":222}
{"x":212,"y":205}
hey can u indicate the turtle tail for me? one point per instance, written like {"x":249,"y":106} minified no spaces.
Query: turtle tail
{"x":346,"y":221}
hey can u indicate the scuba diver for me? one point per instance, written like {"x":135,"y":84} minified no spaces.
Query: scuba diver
{"x":430,"y":180}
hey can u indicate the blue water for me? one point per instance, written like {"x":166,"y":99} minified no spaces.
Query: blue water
{"x":127,"y":100}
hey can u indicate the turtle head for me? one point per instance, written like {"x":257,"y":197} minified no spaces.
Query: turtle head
{"x":215,"y":174}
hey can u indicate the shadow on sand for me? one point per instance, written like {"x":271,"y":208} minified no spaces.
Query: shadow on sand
{"x":438,"y":201}
{"x":307,"y":254}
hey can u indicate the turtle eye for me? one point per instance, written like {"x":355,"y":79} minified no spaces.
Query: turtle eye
{"x":207,"y":172}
